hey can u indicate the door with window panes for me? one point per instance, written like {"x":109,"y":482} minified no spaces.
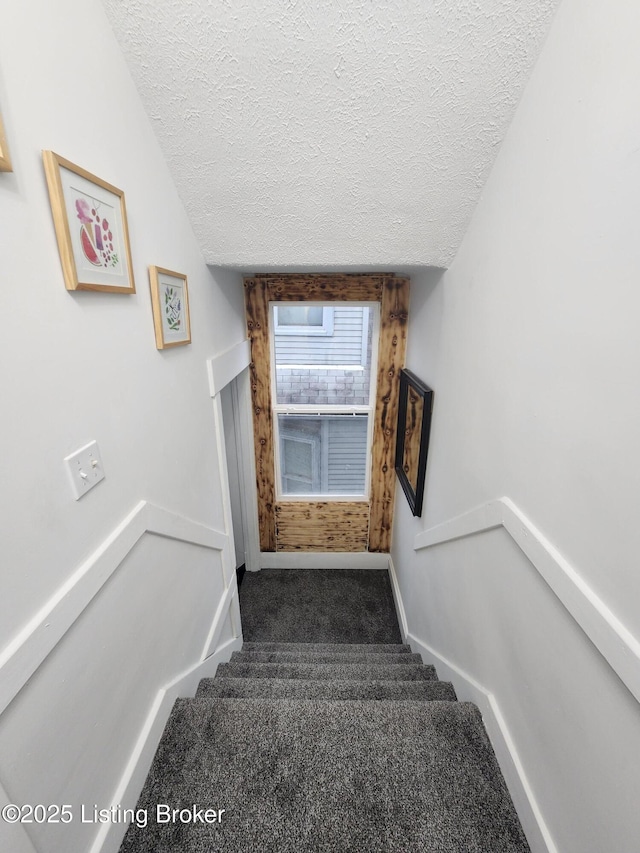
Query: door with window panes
{"x":326,"y":354}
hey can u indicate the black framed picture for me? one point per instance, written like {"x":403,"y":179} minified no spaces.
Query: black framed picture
{"x":412,"y":443}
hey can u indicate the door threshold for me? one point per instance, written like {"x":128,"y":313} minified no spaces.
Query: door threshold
{"x":322,"y":560}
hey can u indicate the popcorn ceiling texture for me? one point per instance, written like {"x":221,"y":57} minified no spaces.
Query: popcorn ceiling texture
{"x":330,"y":132}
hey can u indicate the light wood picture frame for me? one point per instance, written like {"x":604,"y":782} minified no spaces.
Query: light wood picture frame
{"x":90,"y":220}
{"x":5,"y":159}
{"x":170,"y":302}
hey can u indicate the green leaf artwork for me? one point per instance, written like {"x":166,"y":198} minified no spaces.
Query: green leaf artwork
{"x":173,"y":308}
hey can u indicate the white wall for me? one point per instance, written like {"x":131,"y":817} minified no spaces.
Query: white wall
{"x":84,"y":366}
{"x":531,"y":343}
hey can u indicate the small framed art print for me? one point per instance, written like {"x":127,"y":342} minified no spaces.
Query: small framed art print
{"x":170,"y":301}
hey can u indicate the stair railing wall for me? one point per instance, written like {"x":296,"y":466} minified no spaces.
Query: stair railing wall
{"x":480,"y":550}
{"x":26,"y":652}
{"x":47,"y":643}
{"x":607,"y":633}
{"x":206,"y":637}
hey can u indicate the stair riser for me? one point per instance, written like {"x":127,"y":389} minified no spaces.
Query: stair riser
{"x":319,"y":657}
{"x":324,"y":672}
{"x":367,"y":648}
{"x":426,"y":691}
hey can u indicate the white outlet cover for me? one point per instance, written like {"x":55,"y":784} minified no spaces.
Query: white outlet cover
{"x":85,"y":469}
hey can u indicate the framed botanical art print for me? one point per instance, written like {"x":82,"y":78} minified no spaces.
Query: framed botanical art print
{"x":5,"y":160}
{"x":90,"y":219}
{"x":170,"y":300}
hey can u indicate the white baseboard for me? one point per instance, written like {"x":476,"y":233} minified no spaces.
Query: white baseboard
{"x":397,"y":599}
{"x":110,"y":835}
{"x":533,"y":824}
{"x":228,"y":606}
{"x":467,"y":689}
{"x":322,"y":560}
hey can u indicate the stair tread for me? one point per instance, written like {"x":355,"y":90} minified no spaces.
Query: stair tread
{"x":313,"y":689}
{"x":373,"y":648}
{"x":324,"y":671}
{"x":324,"y":657}
{"x":297,"y":775}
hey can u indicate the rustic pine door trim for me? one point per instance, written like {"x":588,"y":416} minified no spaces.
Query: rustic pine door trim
{"x":311,"y":525}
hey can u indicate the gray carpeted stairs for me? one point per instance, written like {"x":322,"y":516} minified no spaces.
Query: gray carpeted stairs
{"x":327,"y":748}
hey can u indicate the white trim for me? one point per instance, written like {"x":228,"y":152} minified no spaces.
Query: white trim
{"x":217,"y":624}
{"x":228,"y":551}
{"x":324,"y":409}
{"x":397,"y":599}
{"x":376,"y":314}
{"x":223,"y":368}
{"x":323,"y":560}
{"x":110,"y":835}
{"x":524,"y":800}
{"x":312,"y":497}
{"x":619,"y":647}
{"x":248,"y":473}
{"x":485,"y":517}
{"x":468,"y":689}
{"x":284,"y":365}
{"x":24,"y":654}
{"x":365,"y":336}
{"x":326,"y":329}
{"x":162,"y":522}
{"x":319,"y":409}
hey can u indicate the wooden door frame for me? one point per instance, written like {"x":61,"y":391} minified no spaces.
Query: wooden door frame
{"x":392,"y":293}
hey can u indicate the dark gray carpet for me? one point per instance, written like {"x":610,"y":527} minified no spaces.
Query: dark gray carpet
{"x":290,"y":688}
{"x":328,"y":671}
{"x":313,"y":745}
{"x":321,"y":776}
{"x":324,"y":657}
{"x":318,"y":606}
{"x":323,"y":648}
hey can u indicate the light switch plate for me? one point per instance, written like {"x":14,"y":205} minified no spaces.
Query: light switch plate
{"x":85,"y":469}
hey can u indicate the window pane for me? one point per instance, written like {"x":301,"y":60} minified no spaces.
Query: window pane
{"x":314,"y":369}
{"x":297,"y":459}
{"x":323,"y":454}
{"x":299,"y":315}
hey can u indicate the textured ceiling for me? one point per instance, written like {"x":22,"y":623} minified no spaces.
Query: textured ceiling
{"x":330,"y":132}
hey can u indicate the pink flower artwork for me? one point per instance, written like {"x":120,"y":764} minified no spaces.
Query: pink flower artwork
{"x":84,"y":211}
{"x":96,"y":237}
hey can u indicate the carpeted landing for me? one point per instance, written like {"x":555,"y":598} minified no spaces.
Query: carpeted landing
{"x":323,"y":748}
{"x":318,"y":606}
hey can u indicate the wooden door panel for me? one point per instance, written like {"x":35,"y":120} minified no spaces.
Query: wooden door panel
{"x":322,"y":526}
{"x":257,"y":308}
{"x":347,"y":287}
{"x":328,"y":525}
{"x":394,"y":313}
